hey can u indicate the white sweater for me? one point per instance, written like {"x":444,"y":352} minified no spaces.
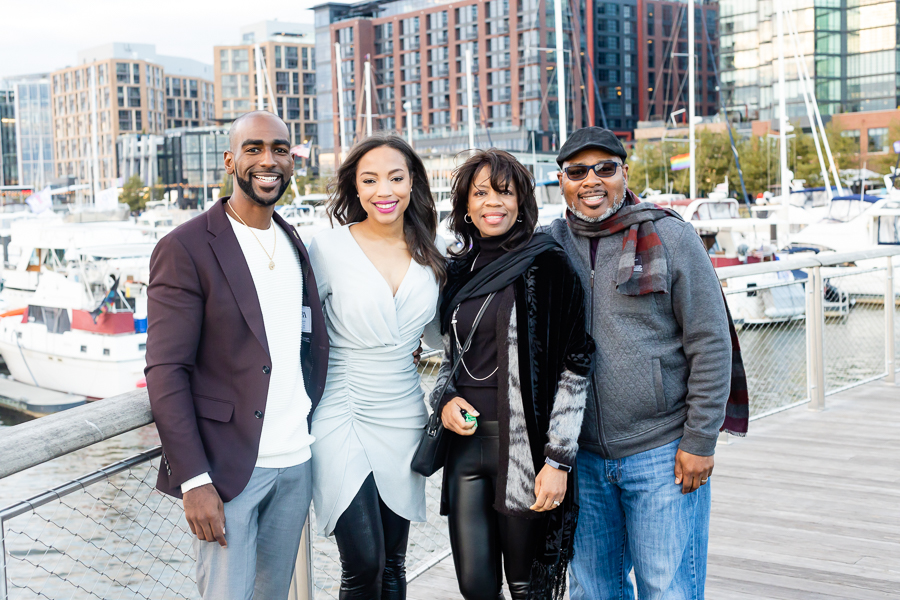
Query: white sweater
{"x":285,"y":440}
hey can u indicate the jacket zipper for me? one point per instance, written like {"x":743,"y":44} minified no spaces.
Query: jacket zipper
{"x":603,"y":444}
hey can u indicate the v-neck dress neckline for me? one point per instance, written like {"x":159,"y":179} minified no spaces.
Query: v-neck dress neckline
{"x":409,"y":267}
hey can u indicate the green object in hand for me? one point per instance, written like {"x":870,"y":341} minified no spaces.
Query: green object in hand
{"x":469,"y":418}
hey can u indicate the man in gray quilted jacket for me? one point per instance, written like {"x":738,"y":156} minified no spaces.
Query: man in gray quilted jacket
{"x":660,"y":384}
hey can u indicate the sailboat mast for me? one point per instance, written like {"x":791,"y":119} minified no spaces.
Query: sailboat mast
{"x":367,"y":76}
{"x":95,"y":161}
{"x":470,"y":97}
{"x":782,"y":110}
{"x":257,"y":63}
{"x":340,"y":81}
{"x":560,"y":71}
{"x":692,"y":139}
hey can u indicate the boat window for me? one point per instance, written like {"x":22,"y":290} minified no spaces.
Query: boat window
{"x":56,"y":319}
{"x":889,"y":229}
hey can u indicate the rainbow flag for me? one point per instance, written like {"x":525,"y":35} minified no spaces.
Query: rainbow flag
{"x":682,"y":161}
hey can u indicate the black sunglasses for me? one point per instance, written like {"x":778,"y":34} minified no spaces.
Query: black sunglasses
{"x":607,"y":168}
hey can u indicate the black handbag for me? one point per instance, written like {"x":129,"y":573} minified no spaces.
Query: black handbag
{"x":432,"y":450}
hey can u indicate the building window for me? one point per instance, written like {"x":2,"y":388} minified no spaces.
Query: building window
{"x":293,"y":109}
{"x":277,"y":57}
{"x":121,"y":95}
{"x":239,"y":61}
{"x":134,"y":97}
{"x":290,"y":57}
{"x":136,"y":71}
{"x":137,"y":121}
{"x":125,"y":120}
{"x":121,"y":74}
{"x":878,"y":139}
{"x":282,"y":82}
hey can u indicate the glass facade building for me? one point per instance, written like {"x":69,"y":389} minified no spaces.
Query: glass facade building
{"x":9,"y":172}
{"x":34,"y":132}
{"x":417,"y":50}
{"x":180,"y":161}
{"x":850,"y":49}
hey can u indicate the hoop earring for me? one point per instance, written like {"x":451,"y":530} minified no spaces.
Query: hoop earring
{"x":519,"y":220}
{"x":467,"y":218}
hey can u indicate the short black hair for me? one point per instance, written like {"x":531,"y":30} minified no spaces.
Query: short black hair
{"x":232,"y":131}
{"x":505,"y":171}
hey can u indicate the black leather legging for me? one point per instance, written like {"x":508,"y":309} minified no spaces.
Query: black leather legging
{"x":479,"y":535}
{"x":371,"y":539}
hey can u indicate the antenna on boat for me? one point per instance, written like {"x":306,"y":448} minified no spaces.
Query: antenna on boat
{"x":470,"y":98}
{"x":367,"y":80}
{"x":340,"y":80}
{"x":560,"y":72}
{"x":806,"y":81}
{"x":782,"y":112}
{"x":692,"y":138}
{"x":95,"y":161}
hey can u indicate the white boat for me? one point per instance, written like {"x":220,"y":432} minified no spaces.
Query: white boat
{"x":56,"y":343}
{"x":49,"y":245}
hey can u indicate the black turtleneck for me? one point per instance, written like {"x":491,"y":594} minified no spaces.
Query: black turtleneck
{"x":481,"y":359}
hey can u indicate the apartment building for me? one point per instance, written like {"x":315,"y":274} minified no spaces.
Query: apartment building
{"x":417,"y":50}
{"x":663,"y":59}
{"x":126,"y":87}
{"x":850,"y":50}
{"x":288,"y":76}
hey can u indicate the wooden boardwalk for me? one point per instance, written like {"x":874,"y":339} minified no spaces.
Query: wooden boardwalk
{"x":805,"y":508}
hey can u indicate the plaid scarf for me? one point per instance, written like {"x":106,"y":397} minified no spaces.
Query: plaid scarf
{"x":643,"y":270}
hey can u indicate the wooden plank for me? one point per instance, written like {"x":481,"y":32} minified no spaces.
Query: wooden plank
{"x":805,"y":508}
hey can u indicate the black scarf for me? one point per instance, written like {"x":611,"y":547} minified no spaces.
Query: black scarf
{"x":493,"y":277}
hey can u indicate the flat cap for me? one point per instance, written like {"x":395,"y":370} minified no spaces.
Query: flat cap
{"x":591,"y":137}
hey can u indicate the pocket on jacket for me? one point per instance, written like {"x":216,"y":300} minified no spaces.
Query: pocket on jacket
{"x":661,"y":404}
{"x":213,"y":409}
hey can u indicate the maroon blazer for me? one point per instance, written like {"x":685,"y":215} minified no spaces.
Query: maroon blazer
{"x":208,"y":363}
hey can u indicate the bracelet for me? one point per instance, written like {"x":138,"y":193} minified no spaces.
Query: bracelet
{"x":558,"y":465}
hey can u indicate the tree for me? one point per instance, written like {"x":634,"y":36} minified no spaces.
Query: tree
{"x":134,"y":194}
{"x":158,"y":191}
{"x":227,"y":185}
{"x":883,"y":163}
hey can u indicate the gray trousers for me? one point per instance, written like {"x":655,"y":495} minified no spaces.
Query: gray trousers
{"x":263,"y":526}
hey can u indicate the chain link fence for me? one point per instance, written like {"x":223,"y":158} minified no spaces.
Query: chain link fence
{"x":770,"y":312}
{"x":111,"y":535}
{"x":107,"y":535}
{"x":855,"y":340}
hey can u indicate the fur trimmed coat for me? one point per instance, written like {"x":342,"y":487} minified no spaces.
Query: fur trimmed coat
{"x":545,"y":360}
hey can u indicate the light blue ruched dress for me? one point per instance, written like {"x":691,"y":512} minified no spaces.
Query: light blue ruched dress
{"x":372,"y":413}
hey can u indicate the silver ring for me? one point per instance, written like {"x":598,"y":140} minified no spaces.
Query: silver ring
{"x":556,"y":503}
{"x":703,"y":481}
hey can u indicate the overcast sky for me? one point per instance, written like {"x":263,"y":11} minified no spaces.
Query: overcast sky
{"x":43,"y":36}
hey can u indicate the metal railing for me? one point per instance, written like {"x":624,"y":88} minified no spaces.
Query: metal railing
{"x":110,"y":534}
{"x":809,"y":327}
{"x":814,"y":325}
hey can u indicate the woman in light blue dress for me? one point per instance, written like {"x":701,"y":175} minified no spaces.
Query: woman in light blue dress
{"x":378,"y":276}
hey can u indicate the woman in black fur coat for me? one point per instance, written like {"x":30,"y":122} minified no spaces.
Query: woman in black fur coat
{"x":514,"y":409}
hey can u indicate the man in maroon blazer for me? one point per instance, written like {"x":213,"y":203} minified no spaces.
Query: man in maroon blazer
{"x":237,"y":354}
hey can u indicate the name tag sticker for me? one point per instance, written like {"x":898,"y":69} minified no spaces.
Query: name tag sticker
{"x":306,"y":320}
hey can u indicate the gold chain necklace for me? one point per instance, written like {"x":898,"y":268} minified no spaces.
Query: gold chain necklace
{"x":274,"y":244}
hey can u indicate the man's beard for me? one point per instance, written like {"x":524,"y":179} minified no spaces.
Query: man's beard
{"x":247,"y":187}
{"x":613,"y":209}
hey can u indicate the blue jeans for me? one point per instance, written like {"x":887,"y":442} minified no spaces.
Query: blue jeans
{"x":634,"y":515}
